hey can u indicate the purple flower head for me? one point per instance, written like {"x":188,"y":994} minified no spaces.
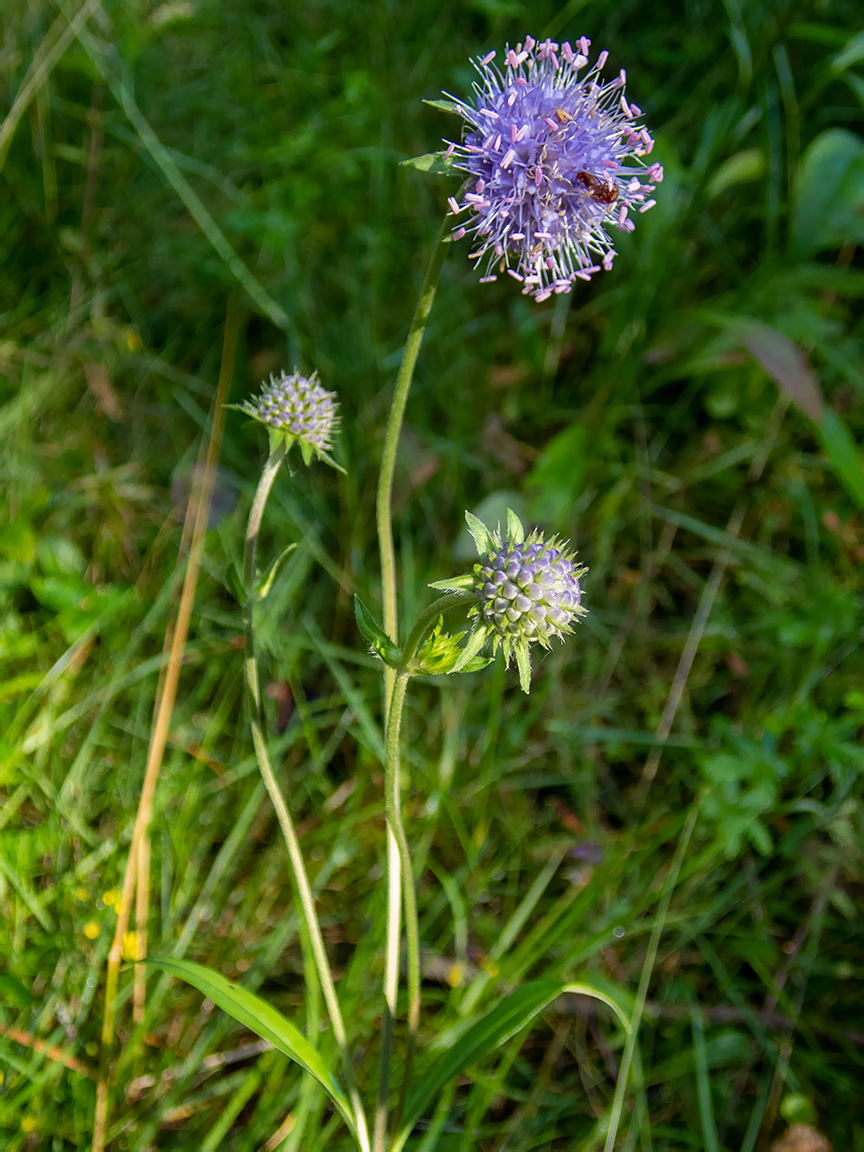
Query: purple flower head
{"x":527,"y":591}
{"x":297,"y":408}
{"x":549,"y":156}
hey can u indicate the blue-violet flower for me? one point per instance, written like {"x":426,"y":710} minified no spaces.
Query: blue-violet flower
{"x":527,"y":591}
{"x":548,"y":155}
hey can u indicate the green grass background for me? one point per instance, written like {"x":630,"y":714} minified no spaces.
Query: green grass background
{"x":626,"y":419}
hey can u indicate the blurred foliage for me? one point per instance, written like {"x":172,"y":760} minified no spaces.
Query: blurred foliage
{"x":628,"y":420}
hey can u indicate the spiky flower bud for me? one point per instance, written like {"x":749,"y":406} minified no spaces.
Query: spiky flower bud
{"x":527,"y":591}
{"x":297,"y":408}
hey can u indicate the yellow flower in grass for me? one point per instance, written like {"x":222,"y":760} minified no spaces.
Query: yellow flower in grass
{"x":92,"y":929}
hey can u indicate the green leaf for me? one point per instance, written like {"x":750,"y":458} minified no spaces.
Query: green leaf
{"x":738,"y":169}
{"x":853,"y":53}
{"x":481,"y":534}
{"x":262,"y":1019}
{"x":515,"y":531}
{"x":455,"y":584}
{"x":17,"y":541}
{"x":445,"y":106}
{"x":262,"y":589}
{"x":13,"y":991}
{"x":438,"y":163}
{"x":497,"y":1026}
{"x":830,"y":193}
{"x":843,"y":454}
{"x":440,"y":651}
{"x":375,"y":634}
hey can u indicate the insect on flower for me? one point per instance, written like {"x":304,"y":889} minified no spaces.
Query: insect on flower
{"x":554,"y":161}
{"x":602,"y":193}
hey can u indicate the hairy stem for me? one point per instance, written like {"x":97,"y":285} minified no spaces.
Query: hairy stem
{"x":384,"y":504}
{"x":399,"y":865}
{"x":384,"y":518}
{"x":295,"y":856}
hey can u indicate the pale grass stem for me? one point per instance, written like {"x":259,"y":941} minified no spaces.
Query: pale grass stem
{"x":200,"y":499}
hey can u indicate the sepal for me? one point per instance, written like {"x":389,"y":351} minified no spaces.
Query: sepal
{"x":469,"y":653}
{"x":523,"y":663}
{"x":456,"y":584}
{"x":439,"y":652}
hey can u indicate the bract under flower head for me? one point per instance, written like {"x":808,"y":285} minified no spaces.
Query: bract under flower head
{"x":297,"y":408}
{"x":547,"y":154}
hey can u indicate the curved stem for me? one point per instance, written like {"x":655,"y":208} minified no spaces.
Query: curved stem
{"x":295,"y":856}
{"x":427,"y":618}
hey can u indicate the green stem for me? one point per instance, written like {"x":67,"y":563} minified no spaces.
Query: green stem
{"x":384,"y":517}
{"x":645,"y":979}
{"x":400,"y":868}
{"x":295,"y":856}
{"x":384,"y":503}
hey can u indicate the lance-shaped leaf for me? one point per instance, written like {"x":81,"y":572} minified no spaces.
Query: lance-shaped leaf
{"x":262,"y":588}
{"x":262,"y":1019}
{"x":445,"y":106}
{"x":381,"y":643}
{"x":845,"y":455}
{"x":438,"y":163}
{"x":497,"y":1026}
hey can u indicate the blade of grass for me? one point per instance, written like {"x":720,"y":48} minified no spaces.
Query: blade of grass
{"x":45,"y":59}
{"x":511,"y":930}
{"x":162,"y":720}
{"x":116,"y":75}
{"x":703,"y":612}
{"x":703,"y":1081}
{"x":645,"y":979}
